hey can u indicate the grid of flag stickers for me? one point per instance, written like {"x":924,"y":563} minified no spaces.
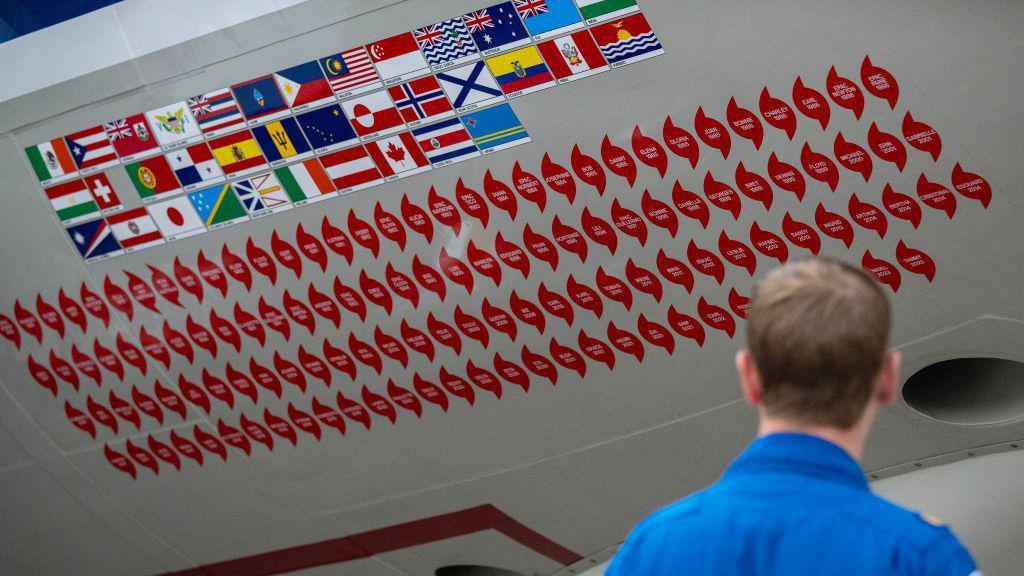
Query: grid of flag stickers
{"x":345,"y":122}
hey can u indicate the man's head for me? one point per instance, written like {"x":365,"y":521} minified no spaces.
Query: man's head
{"x":818,"y":333}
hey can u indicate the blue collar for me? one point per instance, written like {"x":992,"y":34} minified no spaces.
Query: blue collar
{"x":799,"y":455}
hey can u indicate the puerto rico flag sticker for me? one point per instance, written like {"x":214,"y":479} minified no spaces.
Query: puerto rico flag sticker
{"x":573,"y":57}
{"x":627,"y":40}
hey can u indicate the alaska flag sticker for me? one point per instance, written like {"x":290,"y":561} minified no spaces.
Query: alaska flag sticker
{"x":327,"y":128}
{"x":260,"y":99}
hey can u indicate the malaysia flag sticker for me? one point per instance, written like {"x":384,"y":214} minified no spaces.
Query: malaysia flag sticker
{"x":398,"y":156}
{"x":398,"y":58}
{"x":573,"y":57}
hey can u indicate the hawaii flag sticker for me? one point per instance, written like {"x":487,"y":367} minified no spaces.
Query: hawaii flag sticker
{"x":398,"y":58}
{"x":216,"y":112}
{"x":51,"y":161}
{"x":174,"y":125}
{"x":601,"y":10}
{"x":373,"y":115}
{"x":351,"y":169}
{"x":262,"y":195}
{"x":627,"y":40}
{"x":135,"y":229}
{"x":306,"y":182}
{"x":398,"y":156}
{"x":573,"y":57}
{"x":176,"y":218}
{"x":94,"y":240}
{"x":520,"y":72}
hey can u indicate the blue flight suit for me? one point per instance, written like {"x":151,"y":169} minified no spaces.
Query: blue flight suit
{"x":790,"y":505}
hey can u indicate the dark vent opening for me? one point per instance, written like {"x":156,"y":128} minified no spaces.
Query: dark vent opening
{"x":475,"y":571}
{"x":974,"y":391}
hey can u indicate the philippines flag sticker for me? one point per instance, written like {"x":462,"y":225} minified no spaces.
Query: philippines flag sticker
{"x":446,"y":44}
{"x":216,"y":112}
{"x":421,"y":100}
{"x":135,"y":229}
{"x":573,"y":57}
{"x":446,"y":142}
{"x":351,"y":169}
{"x":304,"y":86}
{"x":627,"y":40}
{"x":398,"y":156}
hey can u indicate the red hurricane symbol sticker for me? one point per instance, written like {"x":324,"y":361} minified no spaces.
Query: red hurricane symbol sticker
{"x":106,"y":357}
{"x":737,"y":253}
{"x":568,"y":358}
{"x":194,"y":394}
{"x":885,"y":272}
{"x":722,"y":195}
{"x":659,"y":213}
{"x":280,"y":426}
{"x":901,"y":206}
{"x":643,"y":280}
{"x":236,"y":267}
{"x":314,"y":366}
{"x":94,"y":305}
{"x":378,"y":404}
{"x":596,"y":350}
{"x":365,"y":354}
{"x":512,"y":255}
{"x":427,"y":277}
{"x":915,"y":261}
{"x":853,"y":157}
{"x":153,"y":347}
{"x":655,"y":334}
{"x":124,"y":410}
{"x":80,"y":419}
{"x":176,"y":341}
{"x":539,"y":365}
{"x":922,"y":136}
{"x":935,"y":195}
{"x":350,"y":299}
{"x":289,"y":371}
{"x":649,"y":151}
{"x":686,"y":326}
{"x":744,"y":123}
{"x":970,"y":185}
{"x":116,"y":295}
{"x":363,"y":233}
{"x":444,"y":211}
{"x":101,"y":414}
{"x":10,"y":331}
{"x":680,"y":142}
{"x":483,"y":379}
{"x":484,"y":264}
{"x":868,"y":215}
{"x":120,"y":461}
{"x":163,"y":452}
{"x":225,"y":330}
{"x":599,"y":230}
{"x":540,"y":247}
{"x":169,"y":400}
{"x":430,"y":392}
{"x":218,"y":389}
{"x":558,"y":178}
{"x":569,"y":238}
{"x":845,"y":93}
{"x":777,"y":113}
{"x":705,"y":262}
{"x":500,"y":195}
{"x":141,"y":292}
{"x":555,"y":304}
{"x":212,"y":274}
{"x":716,"y":317}
{"x":456,"y":386}
{"x":625,"y":341}
{"x":629,"y":222}
{"x":810,"y":103}
{"x":286,"y":254}
{"x":738,"y":303}
{"x":299,"y":312}
{"x":416,"y":219}
{"x":526,"y":311}
{"x":401,"y":285}
{"x":879,"y":82}
{"x":690,"y":205}
{"x":209,"y":442}
{"x":768,"y":243}
{"x":511,"y":372}
{"x":311,"y":247}
{"x":471,"y":327}
{"x":833,"y":225}
{"x":63,"y":369}
{"x":375,"y":292}
{"x":234,"y":437}
{"x":49,"y":315}
{"x":328,"y":416}
{"x":444,"y":333}
{"x":164,"y":286}
{"x":529,"y":187}
{"x":42,"y":375}
{"x":754,"y":186}
{"x":417,"y":340}
{"x":712,"y":132}
{"x":324,"y":306}
{"x":613,"y":288}
{"x":131,"y":354}
{"x":186,"y":447}
{"x":274,"y":319}
{"x":389,"y":225}
{"x":303,"y":421}
{"x":887,"y":147}
{"x":404,"y":398}
{"x":588,"y":170}
{"x":618,"y":161}
{"x":86,"y":365}
{"x":336,"y":239}
{"x":472,"y":203}
{"x":819,"y":167}
{"x":72,"y":311}
{"x":499,"y":319}
{"x":455,"y":269}
{"x":339,"y":360}
{"x":142,"y":457}
{"x":147,"y":405}
{"x":261,"y":261}
{"x":675,"y":271}
{"x":390,"y":347}
{"x":265,"y":378}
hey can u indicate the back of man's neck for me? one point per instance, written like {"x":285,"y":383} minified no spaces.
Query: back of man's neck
{"x":852,"y":440}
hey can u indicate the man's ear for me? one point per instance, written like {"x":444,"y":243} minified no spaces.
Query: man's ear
{"x":750,"y":380}
{"x":889,"y":378}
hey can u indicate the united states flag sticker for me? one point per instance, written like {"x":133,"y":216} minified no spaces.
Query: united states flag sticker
{"x":573,"y":57}
{"x":216,"y":112}
{"x":351,"y":169}
{"x":446,"y":142}
{"x":398,"y":156}
{"x":135,"y":229}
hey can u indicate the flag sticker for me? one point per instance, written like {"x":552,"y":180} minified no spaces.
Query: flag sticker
{"x":260,"y":100}
{"x":131,"y":137}
{"x":237,"y":153}
{"x":135,"y":229}
{"x":103,"y":193}
{"x":72,"y":202}
{"x":446,"y":44}
{"x":350,"y":73}
{"x":573,"y":57}
{"x":153,"y":178}
{"x":306,"y":182}
{"x":51,"y":161}
{"x":520,"y":72}
{"x":600,"y":10}
{"x":548,"y":18}
{"x":216,"y":112}
{"x":496,"y":28}
{"x":327,"y":128}
{"x":398,"y":156}
{"x":176,"y":218}
{"x":470,"y":87}
{"x":397,"y":58}
{"x":304,"y":86}
{"x":627,"y":40}
{"x":262,"y":195}
{"x":421,"y":100}
{"x":373,"y":115}
{"x":174,"y":125}
{"x":282,"y":141}
{"x":217,"y":206}
{"x":495,"y":128}
{"x":91,"y":150}
{"x":446,"y":142}
{"x":194,"y":166}
{"x":351,"y":169}
{"x":94,"y":240}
